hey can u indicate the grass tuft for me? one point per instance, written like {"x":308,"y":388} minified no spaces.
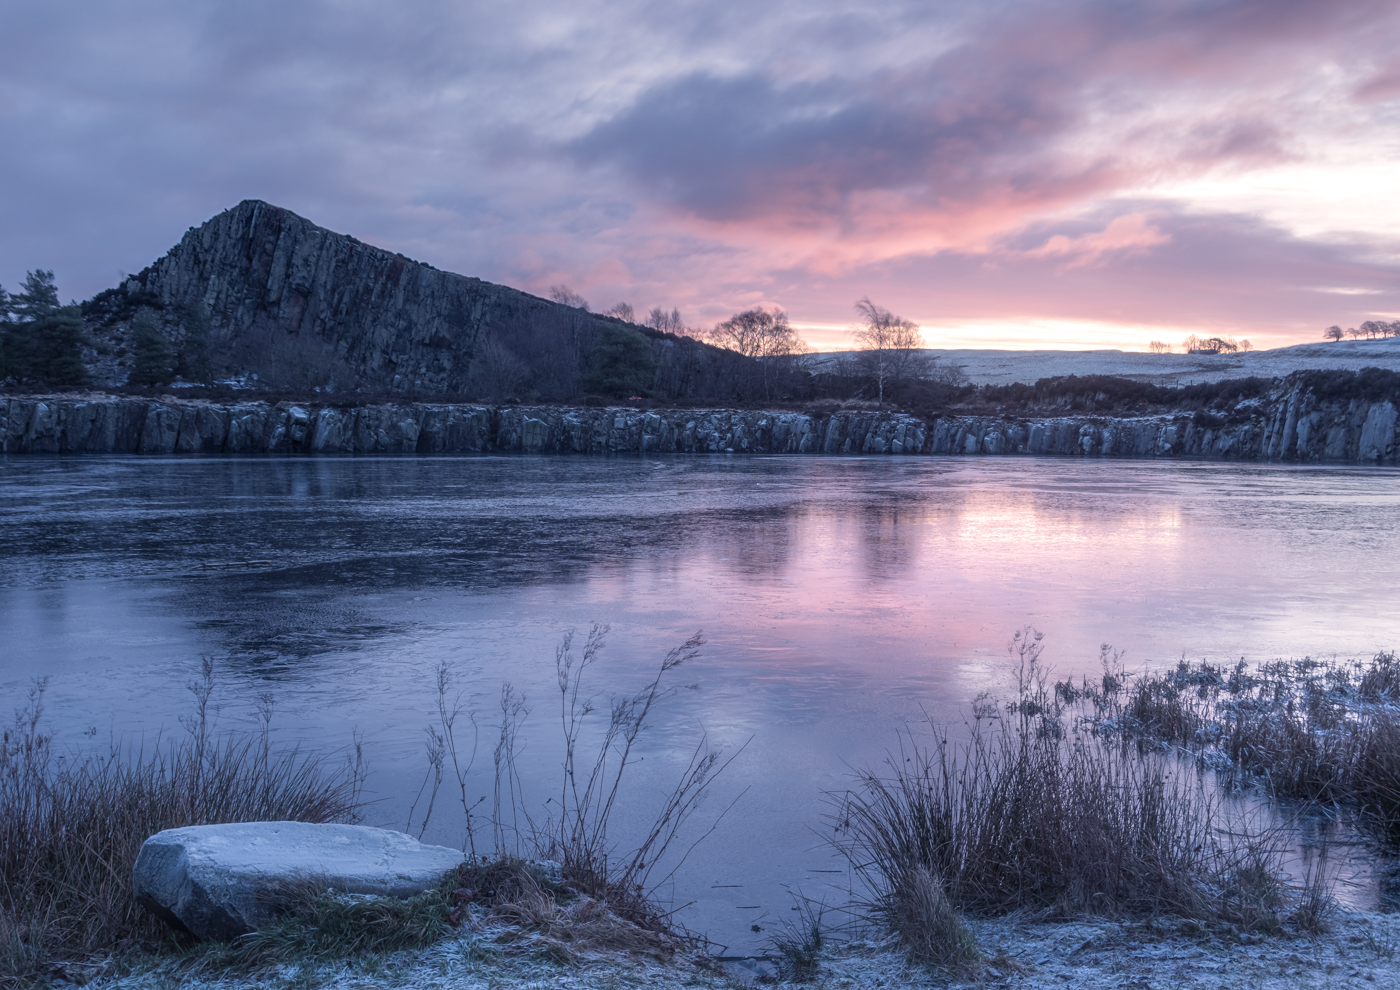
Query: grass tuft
{"x":923,"y":918}
{"x":799,"y":944}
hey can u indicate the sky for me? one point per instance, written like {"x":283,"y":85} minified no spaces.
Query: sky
{"x":1006,"y":173}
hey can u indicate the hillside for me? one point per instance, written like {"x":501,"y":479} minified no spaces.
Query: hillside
{"x":258,"y":290}
{"x":993,"y":367}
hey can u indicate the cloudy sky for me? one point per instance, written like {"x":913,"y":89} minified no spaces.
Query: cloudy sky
{"x":1073,"y":173}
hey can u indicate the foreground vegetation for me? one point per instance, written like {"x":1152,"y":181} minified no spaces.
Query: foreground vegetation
{"x":71,"y":828}
{"x":1122,"y":797}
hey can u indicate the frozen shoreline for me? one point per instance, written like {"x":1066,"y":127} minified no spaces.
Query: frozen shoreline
{"x":1360,"y":951}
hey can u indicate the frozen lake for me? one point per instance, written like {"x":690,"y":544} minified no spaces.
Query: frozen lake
{"x":839,"y":597}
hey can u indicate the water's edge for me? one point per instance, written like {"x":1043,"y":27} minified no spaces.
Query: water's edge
{"x":1293,"y":425}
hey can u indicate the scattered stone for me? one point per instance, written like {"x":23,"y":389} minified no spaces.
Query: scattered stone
{"x":221,"y":881}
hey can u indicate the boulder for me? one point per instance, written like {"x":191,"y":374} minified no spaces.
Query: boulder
{"x":221,"y":881}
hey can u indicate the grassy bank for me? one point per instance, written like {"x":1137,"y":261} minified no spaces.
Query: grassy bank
{"x":1124,"y":797}
{"x":71,"y":826}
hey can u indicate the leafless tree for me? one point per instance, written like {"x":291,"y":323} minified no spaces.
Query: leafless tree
{"x":1159,"y":347}
{"x":496,"y":371}
{"x":1213,"y":345}
{"x":566,"y":296}
{"x":756,"y":333}
{"x":1332,"y":333}
{"x":659,"y":319}
{"x":892,"y":345}
{"x":624,"y":312}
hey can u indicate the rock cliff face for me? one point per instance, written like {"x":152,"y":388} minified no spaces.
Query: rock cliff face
{"x":1293,"y":426}
{"x":259,"y":270}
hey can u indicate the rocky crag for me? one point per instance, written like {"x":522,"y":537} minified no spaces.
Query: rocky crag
{"x":1293,"y":424}
{"x":259,"y":273}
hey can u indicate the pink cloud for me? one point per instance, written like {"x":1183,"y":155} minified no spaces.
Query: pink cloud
{"x":1130,"y":232}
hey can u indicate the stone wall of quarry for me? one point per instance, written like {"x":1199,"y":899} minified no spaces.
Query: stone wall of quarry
{"x":1293,"y":427}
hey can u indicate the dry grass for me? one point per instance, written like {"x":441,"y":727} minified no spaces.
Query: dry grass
{"x":71,"y":827}
{"x":1031,"y":815}
{"x":1306,"y":730}
{"x":575,"y":827}
{"x":507,"y":906}
{"x":927,"y":925}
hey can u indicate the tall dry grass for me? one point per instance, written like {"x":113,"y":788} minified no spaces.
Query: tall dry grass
{"x":71,"y":825}
{"x":576,"y":825}
{"x":1033,"y":812}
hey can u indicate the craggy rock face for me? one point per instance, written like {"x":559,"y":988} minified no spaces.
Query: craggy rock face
{"x":1290,"y":426}
{"x":221,"y":881}
{"x":258,"y":268}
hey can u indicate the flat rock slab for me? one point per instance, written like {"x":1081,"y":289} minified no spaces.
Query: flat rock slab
{"x":221,"y":881}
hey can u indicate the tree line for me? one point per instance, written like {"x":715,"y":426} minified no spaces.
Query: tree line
{"x":41,"y":340}
{"x":1371,"y":330}
{"x":567,"y":354}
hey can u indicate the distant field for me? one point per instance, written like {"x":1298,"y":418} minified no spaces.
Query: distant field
{"x":989,"y":367}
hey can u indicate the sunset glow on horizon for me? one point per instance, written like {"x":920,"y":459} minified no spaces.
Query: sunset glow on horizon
{"x":1020,"y":175}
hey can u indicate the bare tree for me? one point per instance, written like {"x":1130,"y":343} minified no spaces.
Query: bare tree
{"x":659,"y":319}
{"x":1158,"y":347}
{"x":1211,"y":345}
{"x":624,"y":312}
{"x":1332,"y":333}
{"x":566,"y":296}
{"x":496,"y":372}
{"x":756,"y":333}
{"x":891,"y":345}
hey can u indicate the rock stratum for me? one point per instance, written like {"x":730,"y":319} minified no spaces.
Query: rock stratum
{"x":1292,"y":424}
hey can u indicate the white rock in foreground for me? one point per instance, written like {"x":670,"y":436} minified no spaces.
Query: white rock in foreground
{"x":219,"y":881}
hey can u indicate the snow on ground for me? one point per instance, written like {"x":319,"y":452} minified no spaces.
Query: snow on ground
{"x":988,"y":367}
{"x":1361,"y":950}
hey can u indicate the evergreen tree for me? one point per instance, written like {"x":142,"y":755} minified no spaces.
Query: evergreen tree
{"x":37,"y":299}
{"x":56,"y":342}
{"x":620,"y":363}
{"x":151,"y":360}
{"x":44,"y":340}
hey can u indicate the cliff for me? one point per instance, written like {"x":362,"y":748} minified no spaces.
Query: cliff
{"x":260,"y":277}
{"x":1293,"y":424}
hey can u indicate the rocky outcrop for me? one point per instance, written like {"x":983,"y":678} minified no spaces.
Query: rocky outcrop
{"x":1293,"y":426}
{"x":221,"y":881}
{"x":259,"y":272}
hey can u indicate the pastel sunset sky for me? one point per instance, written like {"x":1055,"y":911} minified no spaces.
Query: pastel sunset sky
{"x":1006,"y":173}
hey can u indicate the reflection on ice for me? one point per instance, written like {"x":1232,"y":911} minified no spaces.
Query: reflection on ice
{"x":841,"y":598}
